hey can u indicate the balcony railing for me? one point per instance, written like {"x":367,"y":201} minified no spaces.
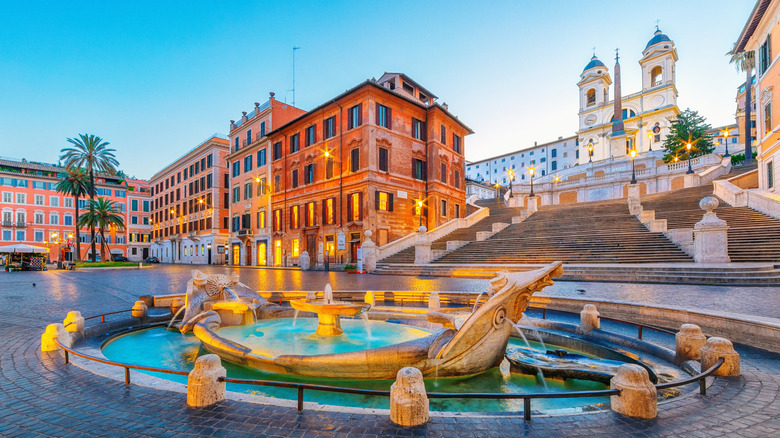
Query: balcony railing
{"x":244,"y":232}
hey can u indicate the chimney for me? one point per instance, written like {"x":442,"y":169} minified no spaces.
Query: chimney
{"x":445,"y":106}
{"x":534,"y":144}
{"x":243,"y":116}
{"x":232,"y":124}
{"x":272,"y":94}
{"x":257,"y":108}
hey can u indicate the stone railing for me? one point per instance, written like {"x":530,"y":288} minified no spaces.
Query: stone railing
{"x":730,"y":193}
{"x":764,"y":202}
{"x":442,"y":230}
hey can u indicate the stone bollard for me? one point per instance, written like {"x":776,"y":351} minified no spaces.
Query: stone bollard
{"x":637,"y":394}
{"x":716,"y":348}
{"x":176,"y":305}
{"x":434,"y":302}
{"x":53,"y":333}
{"x":139,"y":310}
{"x":370,"y":298}
{"x":369,"y":252}
{"x":304,"y":262}
{"x":688,"y":343}
{"x":74,"y":322}
{"x":203,"y":386}
{"x":589,"y":319}
{"x":408,"y":400}
{"x":422,"y":248}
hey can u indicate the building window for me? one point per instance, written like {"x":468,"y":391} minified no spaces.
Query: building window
{"x":354,"y":116}
{"x":235,"y":143}
{"x":384,"y":201}
{"x":328,"y":213}
{"x":294,"y":176}
{"x":247,"y":163}
{"x":770,"y":175}
{"x":456,"y":178}
{"x":248,"y":136}
{"x":591,"y":97}
{"x":208,"y":181}
{"x":553,"y":165}
{"x":457,"y":210}
{"x":278,"y":220}
{"x":354,"y":161}
{"x":209,"y":161}
{"x":20,"y":236}
{"x":261,"y":186}
{"x":261,"y":157}
{"x":456,"y":143}
{"x":262,"y":131}
{"x":38,"y":217}
{"x":294,"y":215}
{"x":384,"y":116}
{"x":443,"y":134}
{"x":655,"y":76}
{"x":247,"y":191}
{"x":329,"y":168}
{"x":311,"y":135}
{"x":418,"y":129}
{"x":38,"y":199}
{"x":296,"y":247}
{"x":443,"y":208}
{"x":236,"y":169}
{"x":329,"y":127}
{"x":236,"y":194}
{"x":277,"y":186}
{"x":277,"y":150}
{"x":355,"y":206}
{"x":54,"y":201}
{"x":418,"y":169}
{"x":261,"y":219}
{"x":308,"y":176}
{"x":383,"y":159}
{"x":54,"y":219}
{"x":67,"y":220}
{"x":554,"y":153}
{"x":768,"y":117}
{"x":443,"y":176}
{"x":310,"y":217}
{"x":764,"y":55}
{"x":295,"y":143}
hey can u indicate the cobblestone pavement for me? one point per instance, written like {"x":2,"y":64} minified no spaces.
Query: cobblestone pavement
{"x":39,"y":395}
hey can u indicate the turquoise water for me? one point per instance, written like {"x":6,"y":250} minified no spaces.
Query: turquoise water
{"x":276,"y":337}
{"x":170,"y":349}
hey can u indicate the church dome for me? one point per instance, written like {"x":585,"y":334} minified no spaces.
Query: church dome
{"x":658,"y":37}
{"x":594,"y":62}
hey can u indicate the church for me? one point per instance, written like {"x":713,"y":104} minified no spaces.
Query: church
{"x":610,"y":129}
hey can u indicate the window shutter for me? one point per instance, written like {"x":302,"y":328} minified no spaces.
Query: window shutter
{"x":376,"y":115}
{"x":376,"y":200}
{"x":390,"y":202}
{"x":360,"y":114}
{"x":389,"y":118}
{"x":324,"y":213}
{"x":424,"y":130}
{"x":325,"y":129}
{"x":360,"y":206}
{"x":314,"y":208}
{"x":349,"y":208}
{"x":350,"y":122}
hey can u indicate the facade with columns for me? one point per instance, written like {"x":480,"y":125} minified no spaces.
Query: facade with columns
{"x":645,"y":115}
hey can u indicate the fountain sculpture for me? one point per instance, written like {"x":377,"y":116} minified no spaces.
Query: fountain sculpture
{"x":477,"y":344}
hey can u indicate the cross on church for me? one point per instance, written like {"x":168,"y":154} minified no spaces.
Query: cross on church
{"x":594,"y":50}
{"x":656,"y":24}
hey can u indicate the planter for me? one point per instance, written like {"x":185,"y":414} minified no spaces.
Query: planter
{"x":352,"y":271}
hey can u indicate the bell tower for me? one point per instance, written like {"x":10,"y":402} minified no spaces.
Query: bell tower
{"x":594,"y":85}
{"x":658,"y":61}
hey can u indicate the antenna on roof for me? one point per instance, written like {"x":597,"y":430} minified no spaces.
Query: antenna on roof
{"x":293,"y":88}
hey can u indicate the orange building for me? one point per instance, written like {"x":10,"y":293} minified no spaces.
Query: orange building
{"x":382,"y":156}
{"x":190,"y":206}
{"x":138,"y":216}
{"x":250,"y":202}
{"x":760,"y":34}
{"x":33,"y":212}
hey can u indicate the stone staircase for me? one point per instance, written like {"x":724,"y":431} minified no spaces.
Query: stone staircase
{"x":753,"y":236}
{"x":592,"y":232}
{"x":499,"y":214}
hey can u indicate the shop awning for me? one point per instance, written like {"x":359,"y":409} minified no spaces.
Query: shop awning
{"x":22,"y":248}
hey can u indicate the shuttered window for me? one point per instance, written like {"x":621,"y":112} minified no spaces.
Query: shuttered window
{"x":383,"y":159}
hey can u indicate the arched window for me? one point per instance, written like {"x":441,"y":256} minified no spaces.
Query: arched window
{"x":627,"y":114}
{"x":655,"y":76}
{"x":591,"y":94}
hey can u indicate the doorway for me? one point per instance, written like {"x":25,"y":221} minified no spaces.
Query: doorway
{"x":354,"y":243}
{"x":236,"y":254}
{"x":311,"y":248}
{"x":262,"y":251}
{"x":248,"y":261}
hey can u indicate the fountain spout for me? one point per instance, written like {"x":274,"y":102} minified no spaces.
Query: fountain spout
{"x":328,"y":294}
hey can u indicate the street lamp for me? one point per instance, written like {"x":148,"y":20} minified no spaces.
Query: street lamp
{"x":498,"y":193}
{"x":511,"y":178}
{"x":420,"y":210}
{"x":650,"y":142}
{"x":633,"y":172}
{"x":531,"y":171}
{"x":690,"y":169}
{"x":726,"y":140}
{"x":590,"y":152}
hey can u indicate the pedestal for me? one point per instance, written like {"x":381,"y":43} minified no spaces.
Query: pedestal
{"x":532,"y":205}
{"x":634,"y":205}
{"x":637,"y":394}
{"x":710,"y":235}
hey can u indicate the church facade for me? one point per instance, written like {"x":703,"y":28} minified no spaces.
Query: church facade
{"x":643,"y":118}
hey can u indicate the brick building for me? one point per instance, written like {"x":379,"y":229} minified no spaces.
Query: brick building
{"x":190,"y":206}
{"x":382,"y":156}
{"x":34,"y":213}
{"x":250,"y":201}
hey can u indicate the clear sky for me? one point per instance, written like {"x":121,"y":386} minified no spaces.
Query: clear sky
{"x":157,"y":78}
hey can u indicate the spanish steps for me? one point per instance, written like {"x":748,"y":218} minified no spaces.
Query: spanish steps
{"x":498,"y":213}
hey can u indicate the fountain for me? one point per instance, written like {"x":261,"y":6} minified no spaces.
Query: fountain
{"x":329,"y":312}
{"x":478,"y":345}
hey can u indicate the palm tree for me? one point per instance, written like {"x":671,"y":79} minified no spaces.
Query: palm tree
{"x":74,"y":182}
{"x":746,"y":61}
{"x":94,"y":155}
{"x":102,"y":214}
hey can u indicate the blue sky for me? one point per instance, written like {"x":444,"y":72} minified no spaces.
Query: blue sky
{"x":157,"y":78}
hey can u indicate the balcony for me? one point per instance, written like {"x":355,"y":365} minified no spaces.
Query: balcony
{"x":244,"y":232}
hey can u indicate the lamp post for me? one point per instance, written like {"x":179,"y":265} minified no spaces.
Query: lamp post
{"x":511,"y":178}
{"x":531,"y":171}
{"x":726,"y":140}
{"x":420,"y":210}
{"x":650,"y":142}
{"x":633,"y":172}
{"x":590,"y":151}
{"x":498,"y":193}
{"x":690,"y":169}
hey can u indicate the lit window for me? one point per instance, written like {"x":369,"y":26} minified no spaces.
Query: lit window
{"x":310,"y":214}
{"x":329,"y":219}
{"x":296,"y":247}
{"x":383,"y":201}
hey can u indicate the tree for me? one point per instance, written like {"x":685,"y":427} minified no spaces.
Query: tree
{"x":746,"y":61}
{"x":74,"y":182}
{"x":94,"y":155}
{"x":688,"y":127}
{"x":102,"y":214}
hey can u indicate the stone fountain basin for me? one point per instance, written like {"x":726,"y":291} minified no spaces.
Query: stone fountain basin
{"x":339,"y":308}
